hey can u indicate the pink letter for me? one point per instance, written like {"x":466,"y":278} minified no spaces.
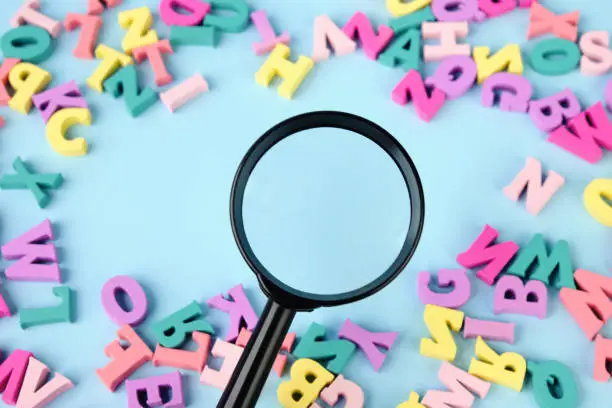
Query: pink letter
{"x":12,"y":373}
{"x":543,"y":21}
{"x":325,"y":30}
{"x":28,"y":14}
{"x":488,"y":330}
{"x":447,"y":278}
{"x":511,"y":296}
{"x":603,"y":357}
{"x":97,"y":6}
{"x":239,"y":308}
{"x":133,"y":291}
{"x":153,"y":53}
{"x":368,"y":341}
{"x":230,"y":354}
{"x":495,"y":8}
{"x":124,"y":361}
{"x":360,"y":26}
{"x":267,"y":34}
{"x":591,"y":304}
{"x":496,"y":257}
{"x":548,"y":113}
{"x":152,"y":388}
{"x":454,"y":76}
{"x":516,"y":91}
{"x":90,"y":27}
{"x":538,"y":193}
{"x":447,"y":33}
{"x":176,"y":97}
{"x":459,"y":384}
{"x":33,"y":252}
{"x":36,"y":391}
{"x":412,"y":87}
{"x":196,"y":10}
{"x":351,"y":393}
{"x":187,"y":360}
{"x":6,"y":67}
{"x":596,"y":55}
{"x":60,"y":97}
{"x":585,"y":134}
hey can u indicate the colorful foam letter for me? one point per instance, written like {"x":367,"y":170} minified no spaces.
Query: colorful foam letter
{"x":58,"y":126}
{"x":456,"y":279}
{"x":585,"y":134}
{"x":27,"y":43}
{"x":595,"y":203}
{"x":481,"y":252}
{"x":28,"y":14}
{"x":151,"y":386}
{"x":230,"y":354}
{"x":413,"y":20}
{"x":325,"y":30}
{"x":234,"y":20}
{"x":37,"y":183}
{"x":566,"y":57}
{"x":12,"y":374}
{"x":132,"y":290}
{"x":511,"y":296}
{"x":308,"y":378}
{"x":447,"y":33}
{"x":545,"y":264}
{"x":411,"y":87}
{"x":368,"y":341}
{"x":153,"y":53}
{"x":337,"y":353}
{"x":173,"y":330}
{"x":238,"y":307}
{"x":488,"y":330}
{"x":399,"y":8}
{"x":596,"y":54}
{"x":547,"y":376}
{"x":5,"y":68}
{"x":5,"y":311}
{"x":507,"y":59}
{"x":124,"y":361}
{"x":269,"y":39}
{"x":90,"y":28}
{"x":351,"y":393}
{"x":495,"y":8}
{"x":413,"y":402}
{"x":193,"y":12}
{"x":112,"y":60}
{"x":550,"y":112}
{"x":278,"y":64}
{"x":97,"y":6}
{"x":27,"y":80}
{"x":138,"y":24}
{"x":591,"y":304}
{"x":543,"y":21}
{"x":60,"y":97}
{"x":507,"y":369}
{"x":176,"y":97}
{"x":125,"y":83}
{"x":603,"y":358}
{"x":404,"y":50}
{"x":197,"y":35}
{"x":36,"y":255}
{"x":453,"y":10}
{"x":454,"y":76}
{"x":36,"y":391}
{"x":515,"y":90}
{"x":187,"y":360}
{"x":440,"y":321}
{"x":61,"y":313}
{"x":460,"y":386}
{"x":360,"y":27}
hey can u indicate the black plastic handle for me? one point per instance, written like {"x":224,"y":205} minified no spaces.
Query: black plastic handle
{"x":258,"y":357}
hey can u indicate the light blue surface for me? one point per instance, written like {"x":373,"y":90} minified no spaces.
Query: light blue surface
{"x":151,"y":200}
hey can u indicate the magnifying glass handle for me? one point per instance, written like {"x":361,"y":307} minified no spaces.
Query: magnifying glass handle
{"x":255,"y":364}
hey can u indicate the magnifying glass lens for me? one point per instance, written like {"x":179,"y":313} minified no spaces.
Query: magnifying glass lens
{"x":326,"y":211}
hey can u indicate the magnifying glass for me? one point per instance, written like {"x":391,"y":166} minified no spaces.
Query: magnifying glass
{"x":299,"y":283}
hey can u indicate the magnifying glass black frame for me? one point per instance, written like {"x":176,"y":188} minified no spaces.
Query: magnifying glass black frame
{"x":254,"y":366}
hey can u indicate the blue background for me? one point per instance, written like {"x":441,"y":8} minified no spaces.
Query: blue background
{"x":151,"y":199}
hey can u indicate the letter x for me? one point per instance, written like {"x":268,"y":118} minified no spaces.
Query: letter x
{"x":543,"y":21}
{"x":26,"y":179}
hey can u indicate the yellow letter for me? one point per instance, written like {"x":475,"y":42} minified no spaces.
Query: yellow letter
{"x":413,"y":402}
{"x":138,"y":23}
{"x":308,"y":378}
{"x":507,"y":369}
{"x":277,"y":65}
{"x":594,"y":202}
{"x":58,"y":126}
{"x":27,"y":80}
{"x":112,"y":60}
{"x":399,"y":8}
{"x":508,"y":58}
{"x":438,"y":320}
